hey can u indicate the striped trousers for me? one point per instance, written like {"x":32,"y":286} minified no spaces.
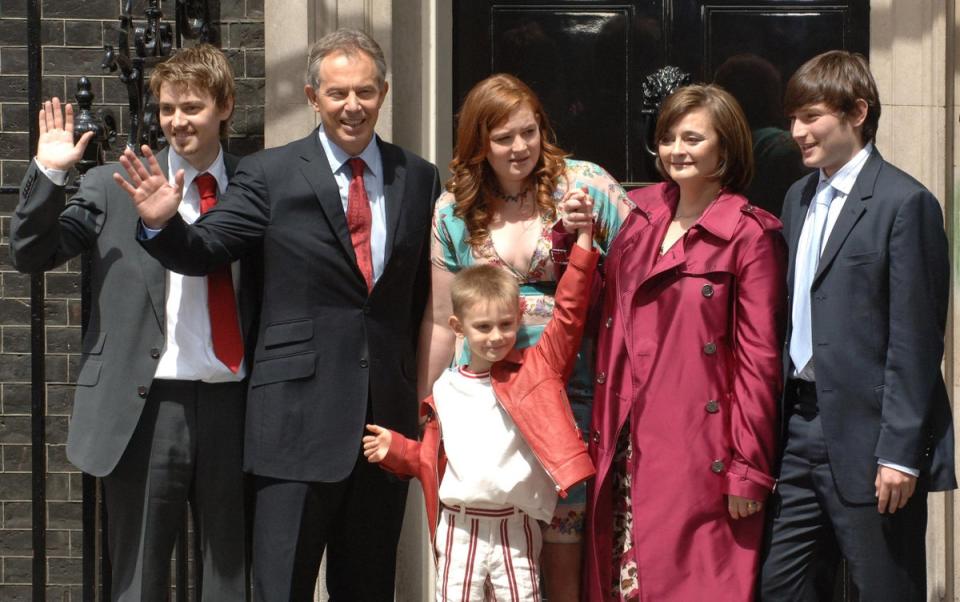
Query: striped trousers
{"x":476,"y":545}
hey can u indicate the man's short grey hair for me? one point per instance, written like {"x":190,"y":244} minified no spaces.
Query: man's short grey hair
{"x":348,"y":42}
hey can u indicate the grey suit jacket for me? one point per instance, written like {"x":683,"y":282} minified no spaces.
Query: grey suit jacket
{"x":879,"y":307}
{"x":125,"y":333}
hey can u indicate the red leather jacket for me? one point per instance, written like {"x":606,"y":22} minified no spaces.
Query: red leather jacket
{"x":529,"y":385}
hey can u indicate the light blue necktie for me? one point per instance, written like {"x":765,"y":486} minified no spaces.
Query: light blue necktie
{"x":808,"y":259}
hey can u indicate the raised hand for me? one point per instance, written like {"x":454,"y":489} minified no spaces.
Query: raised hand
{"x":55,"y":147}
{"x":154,"y":197}
{"x":576,"y":210}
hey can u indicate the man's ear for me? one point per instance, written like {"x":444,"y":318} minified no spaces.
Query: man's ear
{"x":311,"y":97}
{"x":455,"y":325}
{"x":859,"y":113}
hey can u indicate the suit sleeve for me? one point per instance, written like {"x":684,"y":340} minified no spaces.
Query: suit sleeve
{"x":46,"y":231}
{"x":919,"y":291}
{"x":223,"y":235}
{"x":561,"y":338}
{"x":758,"y":336}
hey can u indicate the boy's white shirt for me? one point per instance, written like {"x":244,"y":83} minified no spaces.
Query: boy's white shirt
{"x":489,"y":465}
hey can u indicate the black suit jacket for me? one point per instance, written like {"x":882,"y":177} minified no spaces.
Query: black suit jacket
{"x":879,"y":305}
{"x":125,"y":334}
{"x":326,"y":347}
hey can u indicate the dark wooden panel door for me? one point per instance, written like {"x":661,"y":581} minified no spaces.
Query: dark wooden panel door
{"x":587,"y":59}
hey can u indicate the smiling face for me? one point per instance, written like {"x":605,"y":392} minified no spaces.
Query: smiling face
{"x":490,"y":328}
{"x":690,"y":148}
{"x":348,"y":98}
{"x":190,"y":119}
{"x":514,"y":148}
{"x":828,"y":140}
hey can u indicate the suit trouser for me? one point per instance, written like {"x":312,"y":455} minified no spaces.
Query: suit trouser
{"x":187,"y":447}
{"x":356,"y":520}
{"x":474,"y":545}
{"x":813,"y":526}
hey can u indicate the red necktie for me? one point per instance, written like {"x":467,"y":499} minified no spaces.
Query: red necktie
{"x":221,"y":301}
{"x":359,"y":219}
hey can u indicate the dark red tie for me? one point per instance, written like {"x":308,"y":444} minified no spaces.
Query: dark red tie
{"x":221,"y":301}
{"x":359,"y":219}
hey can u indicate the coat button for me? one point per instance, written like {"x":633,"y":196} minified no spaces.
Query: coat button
{"x":154,"y":353}
{"x":596,"y":437}
{"x":707,"y":290}
{"x":710,"y":348}
{"x":363,"y":363}
{"x":601,"y":378}
{"x":712,"y":406}
{"x":142,"y":391}
{"x":609,"y":322}
{"x":716,"y":466}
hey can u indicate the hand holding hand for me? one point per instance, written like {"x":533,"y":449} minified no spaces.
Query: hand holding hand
{"x":55,"y":146}
{"x":894,"y":489}
{"x":576,"y":211}
{"x":154,"y":197}
{"x":741,"y":507}
{"x":375,"y":446}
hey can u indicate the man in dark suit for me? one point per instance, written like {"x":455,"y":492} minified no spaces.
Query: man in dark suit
{"x":158,"y":411}
{"x":344,"y":221}
{"x":867,"y":428}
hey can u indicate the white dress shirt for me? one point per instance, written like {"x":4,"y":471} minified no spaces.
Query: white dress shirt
{"x":188,"y":349}
{"x":842,"y":182}
{"x":372,"y":181}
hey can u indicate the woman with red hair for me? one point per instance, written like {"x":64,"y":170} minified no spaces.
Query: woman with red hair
{"x":509,"y":179}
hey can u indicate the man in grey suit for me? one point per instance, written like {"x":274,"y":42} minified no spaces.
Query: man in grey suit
{"x":867,"y":429}
{"x":159,"y":407}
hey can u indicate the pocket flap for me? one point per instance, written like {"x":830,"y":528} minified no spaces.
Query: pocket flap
{"x":278,"y":369}
{"x":89,"y":373}
{"x":93,"y":342}
{"x":286,"y":333}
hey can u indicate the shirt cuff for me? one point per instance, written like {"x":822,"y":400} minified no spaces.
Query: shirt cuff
{"x":57,"y":176}
{"x":146,"y":233}
{"x":913,"y":472}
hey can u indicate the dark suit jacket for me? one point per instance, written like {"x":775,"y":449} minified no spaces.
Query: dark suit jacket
{"x":326,"y":346}
{"x":125,"y":334}
{"x":879,"y":305}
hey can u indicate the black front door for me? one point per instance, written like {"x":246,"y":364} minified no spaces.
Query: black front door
{"x":587,"y":60}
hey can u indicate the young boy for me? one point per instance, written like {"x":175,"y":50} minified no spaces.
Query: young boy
{"x":867,"y":430}
{"x":509,"y":444}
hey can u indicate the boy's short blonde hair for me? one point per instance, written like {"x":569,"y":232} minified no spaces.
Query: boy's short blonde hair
{"x":203,"y":67}
{"x":481,"y":283}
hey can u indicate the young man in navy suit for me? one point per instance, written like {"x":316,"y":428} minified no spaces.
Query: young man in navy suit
{"x":866,"y":423}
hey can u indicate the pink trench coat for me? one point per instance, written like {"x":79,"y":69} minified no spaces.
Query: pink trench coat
{"x":689,"y":353}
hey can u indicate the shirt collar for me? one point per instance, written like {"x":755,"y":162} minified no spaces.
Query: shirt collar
{"x":217,"y":169}
{"x":846,"y":176}
{"x":336,"y":156}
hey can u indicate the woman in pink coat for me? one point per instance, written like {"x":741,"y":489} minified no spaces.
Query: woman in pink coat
{"x":688,"y":371}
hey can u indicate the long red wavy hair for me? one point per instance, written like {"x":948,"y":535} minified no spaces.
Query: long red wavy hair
{"x":473,"y":183}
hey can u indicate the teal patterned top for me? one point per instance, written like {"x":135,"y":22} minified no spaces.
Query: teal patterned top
{"x":451,"y":252}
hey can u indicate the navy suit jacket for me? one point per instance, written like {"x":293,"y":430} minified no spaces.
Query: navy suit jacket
{"x":327,"y":349}
{"x":879,"y":307}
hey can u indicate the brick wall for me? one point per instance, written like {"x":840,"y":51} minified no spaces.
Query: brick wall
{"x":73,"y":32}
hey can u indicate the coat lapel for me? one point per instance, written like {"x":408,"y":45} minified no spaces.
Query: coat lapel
{"x":316,"y":169}
{"x":853,"y":208}
{"x":394,"y":176}
{"x":154,"y":274}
